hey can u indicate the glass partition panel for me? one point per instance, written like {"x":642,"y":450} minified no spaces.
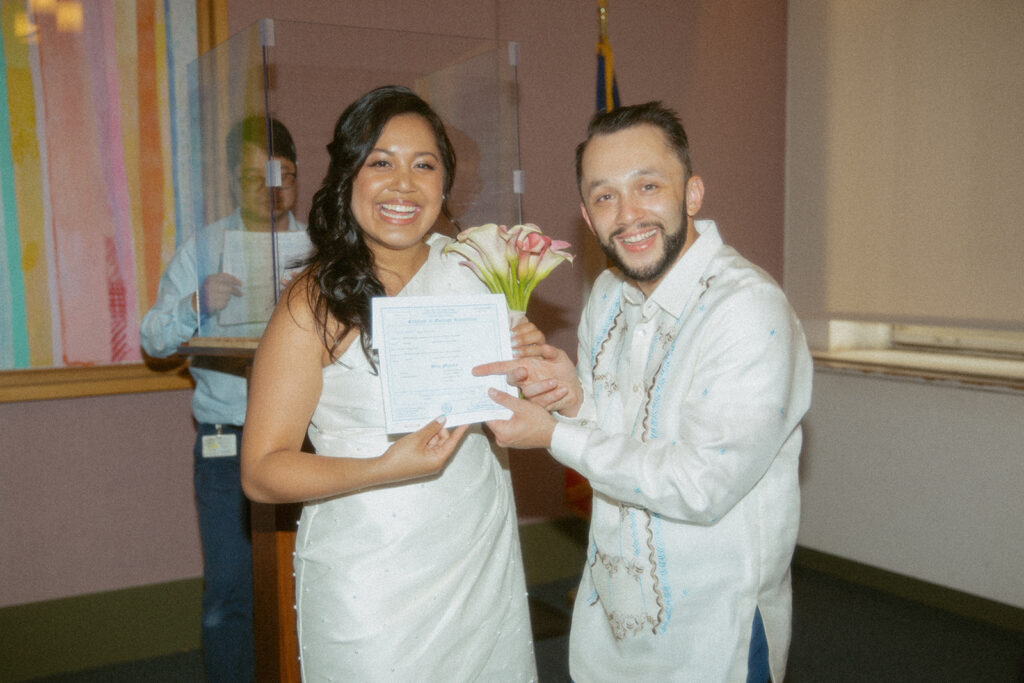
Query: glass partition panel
{"x":231,"y":231}
{"x":296,"y":79}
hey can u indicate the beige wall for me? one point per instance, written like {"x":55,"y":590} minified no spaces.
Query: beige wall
{"x":93,"y":502}
{"x":919,"y":478}
{"x":906,"y":162}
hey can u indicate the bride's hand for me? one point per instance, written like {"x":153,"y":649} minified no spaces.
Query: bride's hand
{"x":424,"y":452}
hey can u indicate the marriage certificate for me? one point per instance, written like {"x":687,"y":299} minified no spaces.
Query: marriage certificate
{"x":427,"y":347}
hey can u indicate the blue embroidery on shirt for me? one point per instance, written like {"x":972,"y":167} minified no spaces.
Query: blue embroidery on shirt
{"x":659,"y":387}
{"x":609,"y":318}
{"x":635,"y":537}
{"x":639,"y":541}
{"x":666,"y":588}
{"x":645,"y":417}
{"x":603,"y":381}
{"x":654,"y":431}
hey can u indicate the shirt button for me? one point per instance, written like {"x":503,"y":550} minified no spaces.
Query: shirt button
{"x":636,"y":388}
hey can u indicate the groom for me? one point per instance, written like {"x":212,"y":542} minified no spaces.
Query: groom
{"x":683,"y":412}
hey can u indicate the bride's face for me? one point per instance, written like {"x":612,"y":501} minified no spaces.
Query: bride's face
{"x":398,"y":192}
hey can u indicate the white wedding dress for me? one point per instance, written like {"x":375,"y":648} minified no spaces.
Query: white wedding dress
{"x":421,"y":581}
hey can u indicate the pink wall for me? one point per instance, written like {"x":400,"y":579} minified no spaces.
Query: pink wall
{"x":95,"y":495}
{"x":92,"y":502}
{"x":720,"y":64}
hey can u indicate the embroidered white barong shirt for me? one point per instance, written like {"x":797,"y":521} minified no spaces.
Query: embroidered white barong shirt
{"x":690,"y":437}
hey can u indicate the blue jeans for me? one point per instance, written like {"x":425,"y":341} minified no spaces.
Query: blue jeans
{"x":758,"y":670}
{"x":227,"y":562}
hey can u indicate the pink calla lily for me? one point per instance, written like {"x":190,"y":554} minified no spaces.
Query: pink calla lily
{"x":510,"y":261}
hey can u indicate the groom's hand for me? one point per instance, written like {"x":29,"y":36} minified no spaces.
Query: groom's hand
{"x":547,"y":380}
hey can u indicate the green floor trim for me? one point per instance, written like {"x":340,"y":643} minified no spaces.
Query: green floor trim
{"x":948,"y":599}
{"x":87,"y":631}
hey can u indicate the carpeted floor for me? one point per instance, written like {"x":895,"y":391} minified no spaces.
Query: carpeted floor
{"x":842,"y":633}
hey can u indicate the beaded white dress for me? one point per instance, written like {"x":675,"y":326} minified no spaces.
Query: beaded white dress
{"x":420,"y":581}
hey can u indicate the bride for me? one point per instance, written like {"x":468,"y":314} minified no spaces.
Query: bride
{"x":407,"y":559}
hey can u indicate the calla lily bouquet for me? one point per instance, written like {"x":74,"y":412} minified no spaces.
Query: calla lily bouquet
{"x":510,"y":261}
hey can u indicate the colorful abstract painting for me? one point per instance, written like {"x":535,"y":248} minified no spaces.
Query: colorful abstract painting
{"x":92,"y":145}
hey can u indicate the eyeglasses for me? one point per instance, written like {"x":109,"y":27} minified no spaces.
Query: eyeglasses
{"x":254,"y":182}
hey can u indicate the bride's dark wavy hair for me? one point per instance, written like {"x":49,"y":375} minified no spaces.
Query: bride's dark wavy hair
{"x":341,"y":269}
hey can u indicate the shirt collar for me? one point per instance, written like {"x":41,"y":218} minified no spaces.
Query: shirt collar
{"x":673,"y":292}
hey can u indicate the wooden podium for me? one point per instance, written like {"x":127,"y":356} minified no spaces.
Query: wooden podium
{"x":274,"y":636}
{"x":273,"y":542}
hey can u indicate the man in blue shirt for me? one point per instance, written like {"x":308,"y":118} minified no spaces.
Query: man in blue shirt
{"x":219,"y":400}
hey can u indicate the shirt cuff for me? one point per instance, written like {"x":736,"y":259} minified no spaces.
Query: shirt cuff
{"x":569,"y":440}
